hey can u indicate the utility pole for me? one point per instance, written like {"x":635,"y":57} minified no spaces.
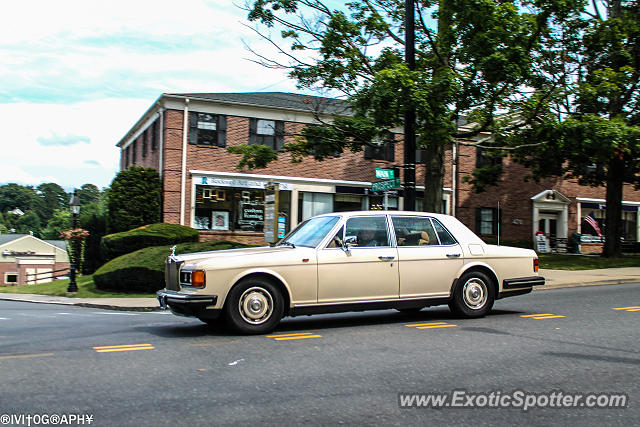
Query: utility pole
{"x":409,"y":114}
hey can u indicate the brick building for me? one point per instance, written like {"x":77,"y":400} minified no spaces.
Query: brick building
{"x":25,"y":259}
{"x":184,"y":137}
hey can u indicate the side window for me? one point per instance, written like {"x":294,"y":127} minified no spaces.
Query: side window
{"x":336,"y":242}
{"x":368,"y":231}
{"x":414,"y":231}
{"x":445,"y":237}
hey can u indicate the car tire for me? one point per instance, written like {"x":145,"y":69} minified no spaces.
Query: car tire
{"x":473,"y":295}
{"x":254,"y":306}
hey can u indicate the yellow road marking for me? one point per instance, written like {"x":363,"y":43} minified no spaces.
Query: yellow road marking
{"x":130,"y":347}
{"x":634,"y":308}
{"x":435,"y":326}
{"x":298,"y":337}
{"x":288,"y":335}
{"x":543,"y":316}
{"x":536,"y":315}
{"x":426,"y":324}
{"x":26,"y":356}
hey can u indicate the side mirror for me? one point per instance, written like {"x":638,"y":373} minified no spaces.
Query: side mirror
{"x":348,"y":242}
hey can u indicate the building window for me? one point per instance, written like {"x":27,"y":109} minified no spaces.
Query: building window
{"x":349,"y":202}
{"x":145,"y":142}
{"x":133,"y":152}
{"x":207,"y":129}
{"x":312,"y":204}
{"x":381,"y":150}
{"x":487,"y":221}
{"x":126,"y":157}
{"x":10,"y":278}
{"x":154,"y":135}
{"x":486,"y":158}
{"x":266,"y":132}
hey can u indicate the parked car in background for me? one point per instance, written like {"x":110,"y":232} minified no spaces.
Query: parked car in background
{"x":349,"y":261}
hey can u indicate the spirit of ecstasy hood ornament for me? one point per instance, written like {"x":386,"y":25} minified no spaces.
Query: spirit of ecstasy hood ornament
{"x":172,"y":256}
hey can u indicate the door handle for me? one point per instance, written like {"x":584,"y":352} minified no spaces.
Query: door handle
{"x":453,"y":255}
{"x":386,"y":258}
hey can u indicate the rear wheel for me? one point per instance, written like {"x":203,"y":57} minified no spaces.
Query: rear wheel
{"x":254,"y":306}
{"x":474,"y":295}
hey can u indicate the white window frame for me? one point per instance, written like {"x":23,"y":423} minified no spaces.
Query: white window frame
{"x":11,"y":274}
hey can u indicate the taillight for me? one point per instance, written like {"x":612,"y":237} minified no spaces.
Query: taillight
{"x":197,"y":279}
{"x":536,"y":265}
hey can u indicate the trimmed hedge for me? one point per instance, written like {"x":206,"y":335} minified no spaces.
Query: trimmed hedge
{"x":117,"y":244}
{"x":142,"y":271}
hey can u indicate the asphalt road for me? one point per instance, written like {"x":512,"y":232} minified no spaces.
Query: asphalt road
{"x":348,"y":368}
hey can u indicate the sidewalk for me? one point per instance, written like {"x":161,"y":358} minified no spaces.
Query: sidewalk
{"x":556,"y":279}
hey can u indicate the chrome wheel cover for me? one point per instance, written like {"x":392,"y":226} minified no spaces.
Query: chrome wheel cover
{"x":255,"y":305}
{"x":474,"y":293}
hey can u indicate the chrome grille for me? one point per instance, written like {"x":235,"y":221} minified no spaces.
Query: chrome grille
{"x":171,"y":274}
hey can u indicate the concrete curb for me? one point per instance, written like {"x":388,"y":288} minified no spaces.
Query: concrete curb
{"x":69,"y":301}
{"x":549,"y":286}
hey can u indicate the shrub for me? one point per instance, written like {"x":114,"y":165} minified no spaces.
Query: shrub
{"x":142,"y":271}
{"x":134,"y":199}
{"x":117,"y":244}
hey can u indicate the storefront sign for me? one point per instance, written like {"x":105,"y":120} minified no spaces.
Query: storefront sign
{"x":271,"y":226}
{"x":239,"y":183}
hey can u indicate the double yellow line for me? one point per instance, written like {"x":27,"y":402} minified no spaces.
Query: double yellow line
{"x":432,"y":325}
{"x":300,"y":336}
{"x":543,"y":316}
{"x":129,"y":347}
{"x":633,"y":308}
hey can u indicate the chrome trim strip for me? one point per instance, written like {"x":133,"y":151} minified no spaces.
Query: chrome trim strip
{"x":444,"y":295}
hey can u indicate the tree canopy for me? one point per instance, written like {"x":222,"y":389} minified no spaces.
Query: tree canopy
{"x":134,"y":199}
{"x":475,"y":60}
{"x":590,"y":129}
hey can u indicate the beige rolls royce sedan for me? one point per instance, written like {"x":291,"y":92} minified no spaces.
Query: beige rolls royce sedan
{"x":349,"y":261}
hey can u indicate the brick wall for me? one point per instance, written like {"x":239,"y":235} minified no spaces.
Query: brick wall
{"x":12,"y":267}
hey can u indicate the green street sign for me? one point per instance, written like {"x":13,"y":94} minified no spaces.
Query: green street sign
{"x":388,"y":184}
{"x":384,"y":173}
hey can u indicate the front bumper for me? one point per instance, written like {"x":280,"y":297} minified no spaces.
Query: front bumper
{"x":200,"y":306}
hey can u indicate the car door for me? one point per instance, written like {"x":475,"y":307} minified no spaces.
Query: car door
{"x":429,"y":257}
{"x":367,"y":270}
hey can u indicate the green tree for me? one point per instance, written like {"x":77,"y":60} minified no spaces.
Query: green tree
{"x":93,"y":218}
{"x":89,"y":193}
{"x":474,"y":59}
{"x":134,"y":199}
{"x":590,"y":82}
{"x":60,"y":220}
{"x":17,"y":196}
{"x":53,"y":197}
{"x":28,"y":223}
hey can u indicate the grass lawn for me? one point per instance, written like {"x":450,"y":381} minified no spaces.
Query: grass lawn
{"x":586,"y":262}
{"x":86,"y":289}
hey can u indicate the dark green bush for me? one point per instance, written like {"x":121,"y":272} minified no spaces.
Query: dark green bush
{"x":142,"y":271}
{"x":117,"y":244}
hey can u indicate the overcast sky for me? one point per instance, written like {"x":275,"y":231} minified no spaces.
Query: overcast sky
{"x":76,"y":74}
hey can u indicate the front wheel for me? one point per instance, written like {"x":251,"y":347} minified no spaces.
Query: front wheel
{"x":474,"y":295}
{"x":254,"y":306}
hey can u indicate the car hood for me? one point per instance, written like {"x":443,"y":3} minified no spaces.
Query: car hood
{"x":226,"y":253}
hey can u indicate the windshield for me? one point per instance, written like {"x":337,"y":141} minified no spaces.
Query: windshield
{"x":311,"y":232}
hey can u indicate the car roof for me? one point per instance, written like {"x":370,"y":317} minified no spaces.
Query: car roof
{"x":378,"y":213}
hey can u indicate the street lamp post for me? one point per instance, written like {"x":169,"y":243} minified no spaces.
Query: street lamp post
{"x":74,"y":207}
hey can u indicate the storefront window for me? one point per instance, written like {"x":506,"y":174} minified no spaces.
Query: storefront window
{"x":349,"y":202}
{"x":376,"y":203}
{"x":234,"y":209}
{"x":312,"y":204}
